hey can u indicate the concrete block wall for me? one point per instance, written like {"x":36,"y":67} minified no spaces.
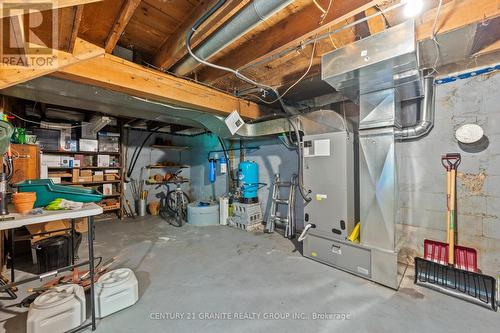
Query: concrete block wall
{"x":422,"y":182}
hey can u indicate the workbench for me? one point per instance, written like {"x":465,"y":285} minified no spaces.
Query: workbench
{"x":89,"y":210}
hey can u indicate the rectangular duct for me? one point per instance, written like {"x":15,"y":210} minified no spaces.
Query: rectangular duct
{"x":383,"y":61}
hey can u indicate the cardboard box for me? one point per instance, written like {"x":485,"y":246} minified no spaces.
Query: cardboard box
{"x":75,"y":175}
{"x":79,"y":158}
{"x":85,"y":172}
{"x":88,"y":145}
{"x":110,"y":177}
{"x":67,"y":161}
{"x":76,"y":163}
{"x":51,"y":160}
{"x":109,"y":142}
{"x":103,"y":160}
{"x":88,"y":161}
{"x":80,"y":226}
{"x":98,"y":176}
{"x":85,"y":179}
{"x":107,"y":189}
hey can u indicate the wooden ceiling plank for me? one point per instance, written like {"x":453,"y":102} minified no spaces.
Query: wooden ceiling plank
{"x":174,"y":48}
{"x":454,"y":14}
{"x":76,"y":27}
{"x":287,"y":33}
{"x":69,"y":24}
{"x":11,"y":75}
{"x":120,"y":24}
{"x":123,"y":76}
{"x":6,"y":7}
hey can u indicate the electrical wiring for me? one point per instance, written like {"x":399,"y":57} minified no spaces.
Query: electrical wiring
{"x":311,"y":60}
{"x":319,"y":7}
{"x":162,"y":104}
{"x":39,"y":123}
{"x":433,"y":38}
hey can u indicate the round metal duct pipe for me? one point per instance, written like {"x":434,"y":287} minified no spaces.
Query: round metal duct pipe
{"x":244,"y":21}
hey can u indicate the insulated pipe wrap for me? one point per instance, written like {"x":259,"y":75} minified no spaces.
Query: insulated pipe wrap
{"x":244,"y":21}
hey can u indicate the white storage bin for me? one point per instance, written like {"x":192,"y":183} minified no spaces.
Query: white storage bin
{"x":114,"y":291}
{"x":203,"y":215}
{"x":59,"y":309}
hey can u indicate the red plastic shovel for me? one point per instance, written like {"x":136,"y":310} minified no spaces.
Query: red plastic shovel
{"x":448,"y":253}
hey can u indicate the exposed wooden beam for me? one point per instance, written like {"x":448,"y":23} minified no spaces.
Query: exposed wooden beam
{"x":7,"y":6}
{"x":11,"y":75}
{"x":287,"y":33}
{"x":174,"y":48}
{"x":376,"y":24}
{"x":123,"y":76}
{"x":69,"y":23}
{"x":456,"y":14}
{"x":126,"y":13}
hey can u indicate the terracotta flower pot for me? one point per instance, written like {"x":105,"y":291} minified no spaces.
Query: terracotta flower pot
{"x":24,"y":201}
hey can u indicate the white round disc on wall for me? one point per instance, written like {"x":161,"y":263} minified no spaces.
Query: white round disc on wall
{"x":469,"y":133}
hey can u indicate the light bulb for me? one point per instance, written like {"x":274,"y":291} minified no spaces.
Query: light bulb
{"x":413,"y":7}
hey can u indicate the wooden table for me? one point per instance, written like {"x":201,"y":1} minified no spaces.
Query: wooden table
{"x":88,"y":211}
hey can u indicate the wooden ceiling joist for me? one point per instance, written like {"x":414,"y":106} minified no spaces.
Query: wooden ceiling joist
{"x":126,"y":13}
{"x":7,"y":6}
{"x":454,"y":15}
{"x":174,"y":48}
{"x":69,"y":23}
{"x":287,"y":33}
{"x":11,"y":75}
{"x":123,"y":76}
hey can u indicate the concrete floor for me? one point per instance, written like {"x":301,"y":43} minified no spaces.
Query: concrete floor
{"x":203,"y":271}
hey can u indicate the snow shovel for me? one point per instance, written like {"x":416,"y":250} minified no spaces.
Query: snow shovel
{"x":460,"y":256}
{"x":449,"y":268}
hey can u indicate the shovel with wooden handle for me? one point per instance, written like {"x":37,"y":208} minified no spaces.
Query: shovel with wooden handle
{"x":451,"y":163}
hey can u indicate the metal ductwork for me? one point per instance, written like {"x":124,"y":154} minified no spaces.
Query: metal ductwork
{"x":378,"y":73}
{"x":426,"y":114}
{"x":248,"y":18}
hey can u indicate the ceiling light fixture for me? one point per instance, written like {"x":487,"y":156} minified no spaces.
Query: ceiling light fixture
{"x":413,"y":7}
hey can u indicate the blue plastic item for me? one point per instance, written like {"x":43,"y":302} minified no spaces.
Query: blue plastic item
{"x":212,"y":170}
{"x":248,"y":174}
{"x":47,"y":191}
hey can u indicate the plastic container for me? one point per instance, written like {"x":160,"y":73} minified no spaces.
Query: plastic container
{"x":47,"y":191}
{"x":59,"y":309}
{"x":203,"y":215}
{"x":115,"y":291}
{"x":52,"y":253}
{"x":24,"y":202}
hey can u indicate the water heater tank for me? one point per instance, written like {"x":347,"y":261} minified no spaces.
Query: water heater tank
{"x":248,"y":174}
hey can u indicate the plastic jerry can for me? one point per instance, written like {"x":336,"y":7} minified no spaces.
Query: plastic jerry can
{"x":59,"y":309}
{"x":114,"y":291}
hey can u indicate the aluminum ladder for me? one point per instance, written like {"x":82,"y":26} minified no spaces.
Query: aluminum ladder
{"x":274,"y":218}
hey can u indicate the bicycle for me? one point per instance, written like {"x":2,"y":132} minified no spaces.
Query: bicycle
{"x":173,"y":205}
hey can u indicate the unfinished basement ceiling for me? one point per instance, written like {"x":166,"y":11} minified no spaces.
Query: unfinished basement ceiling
{"x":278,"y":51}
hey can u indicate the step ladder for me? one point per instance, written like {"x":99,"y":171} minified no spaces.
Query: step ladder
{"x":274,"y":215}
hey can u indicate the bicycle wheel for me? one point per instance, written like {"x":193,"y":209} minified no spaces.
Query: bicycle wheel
{"x":176,"y":205}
